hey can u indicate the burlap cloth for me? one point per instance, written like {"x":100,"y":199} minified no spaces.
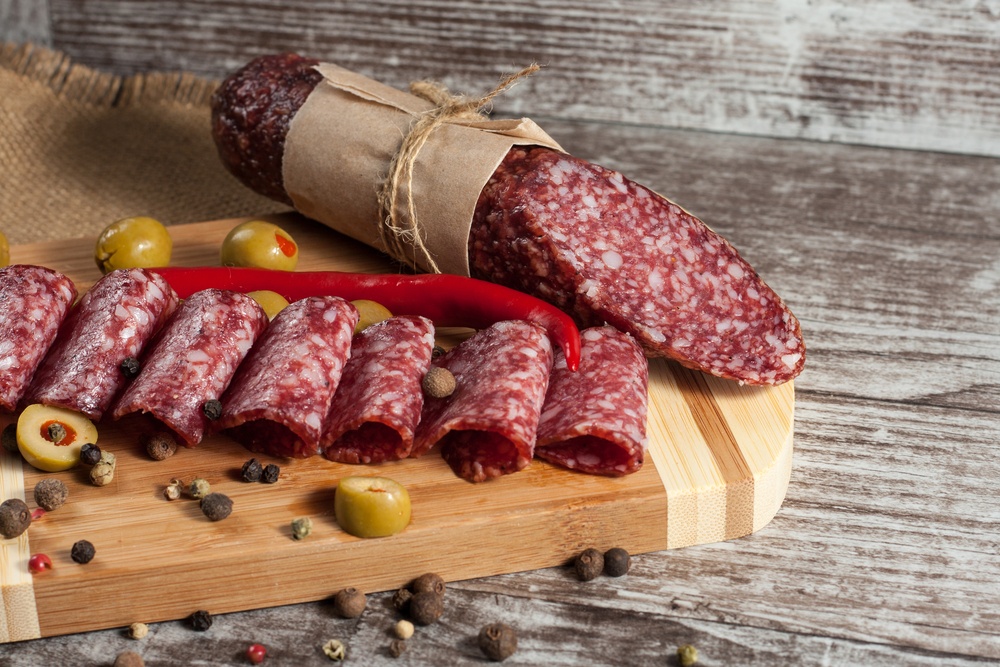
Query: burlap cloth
{"x":80,"y":149}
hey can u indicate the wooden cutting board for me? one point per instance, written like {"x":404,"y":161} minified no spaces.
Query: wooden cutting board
{"x":718,"y":467}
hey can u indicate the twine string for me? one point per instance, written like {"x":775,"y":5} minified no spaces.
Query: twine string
{"x":399,"y":230}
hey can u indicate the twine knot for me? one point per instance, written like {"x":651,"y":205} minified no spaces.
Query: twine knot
{"x":399,"y":230}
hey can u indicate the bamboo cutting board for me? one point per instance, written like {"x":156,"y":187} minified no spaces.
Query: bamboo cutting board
{"x":718,"y":467}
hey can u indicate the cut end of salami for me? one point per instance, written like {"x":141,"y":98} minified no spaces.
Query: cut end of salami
{"x":486,"y":428}
{"x":606,"y":249}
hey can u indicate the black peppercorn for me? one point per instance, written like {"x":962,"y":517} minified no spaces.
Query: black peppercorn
{"x":212,"y":409}
{"x":426,"y":607}
{"x":616,"y":562}
{"x":90,"y":454}
{"x":589,"y":564}
{"x":50,"y":494}
{"x":161,"y":446}
{"x":82,"y":552}
{"x":251,"y":471}
{"x":428,"y":582}
{"x":349,"y":603}
{"x":200,"y":620}
{"x":401,"y":600}
{"x":397,"y":647}
{"x":216,"y":506}
{"x":497,"y":641}
{"x":130,"y":368}
{"x":437,"y":351}
{"x":8,"y":438}
{"x":270,"y":474}
{"x":15,"y":517}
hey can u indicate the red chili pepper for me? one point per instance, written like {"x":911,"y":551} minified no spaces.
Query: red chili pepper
{"x":447,"y":300}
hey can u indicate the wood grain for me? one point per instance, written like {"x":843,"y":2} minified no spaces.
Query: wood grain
{"x":718,"y":471}
{"x":900,"y":73}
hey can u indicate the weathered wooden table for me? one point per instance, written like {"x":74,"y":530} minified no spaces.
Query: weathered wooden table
{"x":886,"y":550}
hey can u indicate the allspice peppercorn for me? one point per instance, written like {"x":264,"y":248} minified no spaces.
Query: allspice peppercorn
{"x":616,"y":562}
{"x":589,"y":564}
{"x":129,"y":659}
{"x":428,"y":582}
{"x":161,"y":446}
{"x":15,"y":517}
{"x":349,"y":603}
{"x":216,"y":506}
{"x":82,"y":552}
{"x":426,"y":607}
{"x":438,"y":382}
{"x":50,"y":494}
{"x":8,"y":438}
{"x":497,"y":641}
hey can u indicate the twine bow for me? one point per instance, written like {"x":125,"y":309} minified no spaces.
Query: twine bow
{"x":399,"y":231}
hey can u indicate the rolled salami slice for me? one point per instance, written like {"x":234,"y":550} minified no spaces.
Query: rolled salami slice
{"x":486,"y":428}
{"x":192,"y":361}
{"x":114,"y":321}
{"x":34,"y":301}
{"x":377,"y":405}
{"x":594,"y":419}
{"x":278,"y":401}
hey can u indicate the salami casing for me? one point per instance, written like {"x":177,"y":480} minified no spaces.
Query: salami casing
{"x":278,"y":401}
{"x":114,"y":321}
{"x":585,"y":238}
{"x":192,"y":361}
{"x":487,"y":427}
{"x":377,"y":405}
{"x":34,"y":301}
{"x":594,"y":419}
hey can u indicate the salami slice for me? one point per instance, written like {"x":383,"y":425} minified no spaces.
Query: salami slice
{"x":192,"y":361}
{"x":378,"y":403}
{"x":278,"y":401}
{"x":34,"y":301}
{"x":486,"y":428}
{"x":114,"y":321}
{"x":594,"y":419}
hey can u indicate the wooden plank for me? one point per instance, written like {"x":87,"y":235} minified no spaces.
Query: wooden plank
{"x":731,"y":480}
{"x":902,"y":74}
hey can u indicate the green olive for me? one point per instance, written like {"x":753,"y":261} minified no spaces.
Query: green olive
{"x":260,"y":244}
{"x":4,"y":250}
{"x":271,"y":302}
{"x":371,"y":506}
{"x":137,"y":242}
{"x":369,"y":313}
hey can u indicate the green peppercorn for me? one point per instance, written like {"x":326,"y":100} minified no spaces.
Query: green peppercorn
{"x":82,"y":552}
{"x":302,"y":528}
{"x":90,"y":454}
{"x":251,"y":471}
{"x":270,"y":474}
{"x":130,"y":368}
{"x":687,"y":655}
{"x":216,"y":506}
{"x":199,"y":488}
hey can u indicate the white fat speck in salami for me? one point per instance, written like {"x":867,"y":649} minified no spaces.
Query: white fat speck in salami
{"x":377,"y":406}
{"x":34,"y":301}
{"x":594,"y":419}
{"x":114,"y":321}
{"x":486,"y":427}
{"x":192,"y":361}
{"x":608,"y":250}
{"x":282,"y":392}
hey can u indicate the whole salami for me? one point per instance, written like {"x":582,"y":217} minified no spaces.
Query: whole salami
{"x":378,"y":402}
{"x":278,"y":401}
{"x":580,"y":236}
{"x":486,"y":428}
{"x":192,"y":361}
{"x":34,"y":301}
{"x":594,"y":419}
{"x":113,"y":322}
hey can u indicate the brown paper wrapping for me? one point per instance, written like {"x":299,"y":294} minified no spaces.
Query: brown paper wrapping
{"x":341,"y":142}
